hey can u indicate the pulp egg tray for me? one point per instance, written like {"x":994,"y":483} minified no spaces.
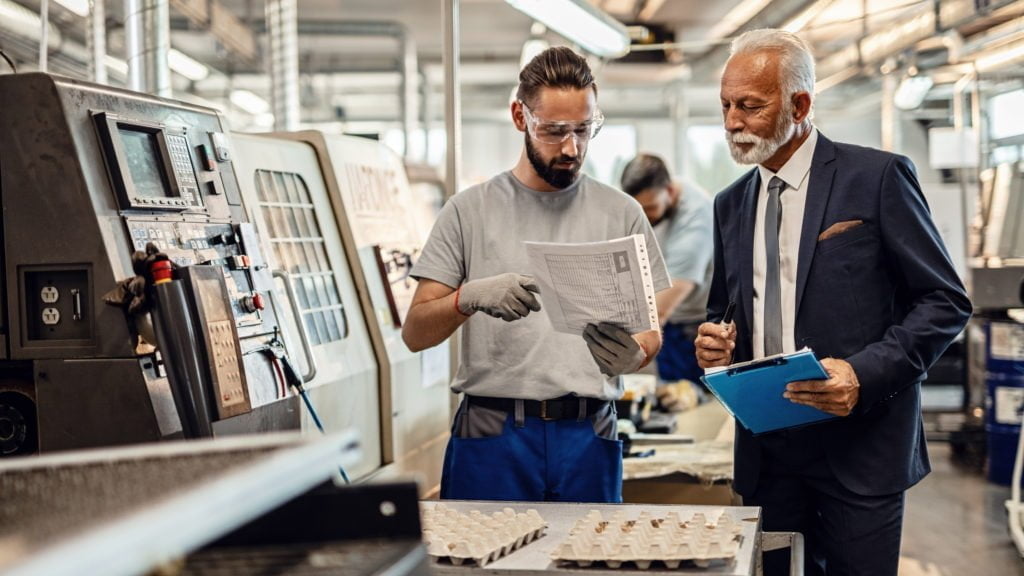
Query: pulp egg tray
{"x":477,"y":537}
{"x":648,"y":539}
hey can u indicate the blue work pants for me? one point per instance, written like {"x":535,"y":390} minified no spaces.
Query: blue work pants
{"x":538,"y":460}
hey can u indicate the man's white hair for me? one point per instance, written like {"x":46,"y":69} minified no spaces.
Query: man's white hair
{"x":796,"y":63}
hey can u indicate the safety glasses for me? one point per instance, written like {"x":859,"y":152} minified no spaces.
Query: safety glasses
{"x":558,"y":132}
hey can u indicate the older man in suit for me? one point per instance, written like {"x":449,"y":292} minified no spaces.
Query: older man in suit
{"x":829,"y":246}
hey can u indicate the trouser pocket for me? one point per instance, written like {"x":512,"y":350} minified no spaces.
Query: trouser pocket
{"x":605,"y":422}
{"x":473,"y":421}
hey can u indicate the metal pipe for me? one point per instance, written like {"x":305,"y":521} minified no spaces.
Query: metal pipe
{"x":97,"y":41}
{"x":889,"y":85}
{"x":147,"y":41}
{"x":452,"y":106}
{"x":44,"y":34}
{"x":282,"y":29}
{"x":453,"y":130}
{"x":980,"y":128}
{"x":967,"y":199}
{"x":958,"y":100}
{"x":410,"y":89}
{"x":427,"y":108}
{"x":408,"y":58}
{"x":680,"y":114}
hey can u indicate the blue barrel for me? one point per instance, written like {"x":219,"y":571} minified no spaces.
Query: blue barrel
{"x":1004,"y":396}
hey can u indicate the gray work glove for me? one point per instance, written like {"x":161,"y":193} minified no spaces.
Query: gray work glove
{"x":507,"y":296}
{"x":136,"y":294}
{"x":614,"y":350}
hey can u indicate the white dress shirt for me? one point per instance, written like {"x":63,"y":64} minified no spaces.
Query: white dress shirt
{"x":793,"y":199}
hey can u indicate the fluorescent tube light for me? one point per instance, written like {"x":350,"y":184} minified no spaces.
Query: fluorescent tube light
{"x":80,"y":7}
{"x":911,"y":92}
{"x":798,"y":22}
{"x":116,"y":64}
{"x":738,"y":16}
{"x":531,"y":48}
{"x":249,"y":102}
{"x":186,"y":66}
{"x":580,"y":23}
{"x":1000,"y":58}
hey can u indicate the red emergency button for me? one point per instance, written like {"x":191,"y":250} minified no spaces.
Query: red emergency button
{"x":252,"y":303}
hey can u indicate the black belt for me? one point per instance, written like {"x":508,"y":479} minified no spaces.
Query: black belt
{"x":563,"y":408}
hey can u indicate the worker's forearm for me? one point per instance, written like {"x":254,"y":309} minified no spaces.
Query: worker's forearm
{"x":650,"y":341}
{"x":430,"y":323}
{"x":670,"y":299}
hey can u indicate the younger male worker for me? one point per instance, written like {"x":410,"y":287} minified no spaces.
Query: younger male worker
{"x":829,"y":246}
{"x":681,"y":216}
{"x":537,"y":421}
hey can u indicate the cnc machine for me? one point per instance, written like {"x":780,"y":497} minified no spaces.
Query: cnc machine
{"x":88,"y":175}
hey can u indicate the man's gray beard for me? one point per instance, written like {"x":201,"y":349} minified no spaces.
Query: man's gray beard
{"x":764,"y":148}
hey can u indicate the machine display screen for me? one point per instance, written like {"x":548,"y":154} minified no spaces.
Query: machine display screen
{"x":143,"y":155}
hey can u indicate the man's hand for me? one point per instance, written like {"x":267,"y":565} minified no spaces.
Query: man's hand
{"x":715,"y":344}
{"x":613,"y":349}
{"x":507,"y":296}
{"x":837,"y":395}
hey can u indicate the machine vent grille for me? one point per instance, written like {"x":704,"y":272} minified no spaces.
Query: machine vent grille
{"x":287,"y":208}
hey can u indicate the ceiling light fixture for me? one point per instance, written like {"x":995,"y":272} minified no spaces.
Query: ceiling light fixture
{"x":579,"y":22}
{"x":80,"y":7}
{"x":738,"y":16}
{"x":249,"y":102}
{"x":116,"y":64}
{"x":999,"y":58}
{"x":186,"y":65}
{"x":801,"y":20}
{"x":911,"y":91}
{"x":532,"y":48}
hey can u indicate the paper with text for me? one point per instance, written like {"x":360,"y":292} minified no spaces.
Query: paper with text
{"x":595,"y":282}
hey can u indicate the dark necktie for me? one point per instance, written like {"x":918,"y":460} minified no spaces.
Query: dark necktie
{"x":772,"y":281}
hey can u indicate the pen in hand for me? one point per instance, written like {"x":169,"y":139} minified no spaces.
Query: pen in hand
{"x":729,"y":310}
{"x":727,"y":321}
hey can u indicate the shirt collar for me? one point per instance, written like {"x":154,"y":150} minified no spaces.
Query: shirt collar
{"x":795,"y":170}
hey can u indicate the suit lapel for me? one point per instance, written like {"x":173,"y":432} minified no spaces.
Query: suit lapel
{"x":748,"y":211}
{"x":819,"y":188}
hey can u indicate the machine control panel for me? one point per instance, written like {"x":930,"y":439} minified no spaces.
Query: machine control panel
{"x":191,"y":243}
{"x":151,"y":166}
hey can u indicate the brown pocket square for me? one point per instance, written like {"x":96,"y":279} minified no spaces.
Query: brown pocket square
{"x":838,"y":228}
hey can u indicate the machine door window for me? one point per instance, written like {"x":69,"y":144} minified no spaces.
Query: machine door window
{"x":294,"y":233}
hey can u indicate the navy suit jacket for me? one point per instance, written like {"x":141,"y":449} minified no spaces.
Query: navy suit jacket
{"x":883,"y":296}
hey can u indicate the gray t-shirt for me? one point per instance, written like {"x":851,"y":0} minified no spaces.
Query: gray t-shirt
{"x":687,"y":243}
{"x":480,"y":233}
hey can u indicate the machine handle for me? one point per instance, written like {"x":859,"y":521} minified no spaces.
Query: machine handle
{"x":307,"y":349}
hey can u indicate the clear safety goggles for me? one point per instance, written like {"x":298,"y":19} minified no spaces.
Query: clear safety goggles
{"x":558,"y":132}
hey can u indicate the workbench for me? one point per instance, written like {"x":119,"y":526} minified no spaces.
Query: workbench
{"x":534,"y":559}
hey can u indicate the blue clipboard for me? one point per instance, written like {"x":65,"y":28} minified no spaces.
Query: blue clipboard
{"x":752,"y":391}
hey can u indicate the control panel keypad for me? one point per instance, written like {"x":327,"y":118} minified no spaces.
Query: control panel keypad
{"x":225,"y":363}
{"x":177,"y":148}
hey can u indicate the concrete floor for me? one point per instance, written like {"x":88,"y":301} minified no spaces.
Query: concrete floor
{"x":955,"y":524}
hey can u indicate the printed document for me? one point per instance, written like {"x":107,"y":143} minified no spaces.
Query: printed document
{"x":595,"y":282}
